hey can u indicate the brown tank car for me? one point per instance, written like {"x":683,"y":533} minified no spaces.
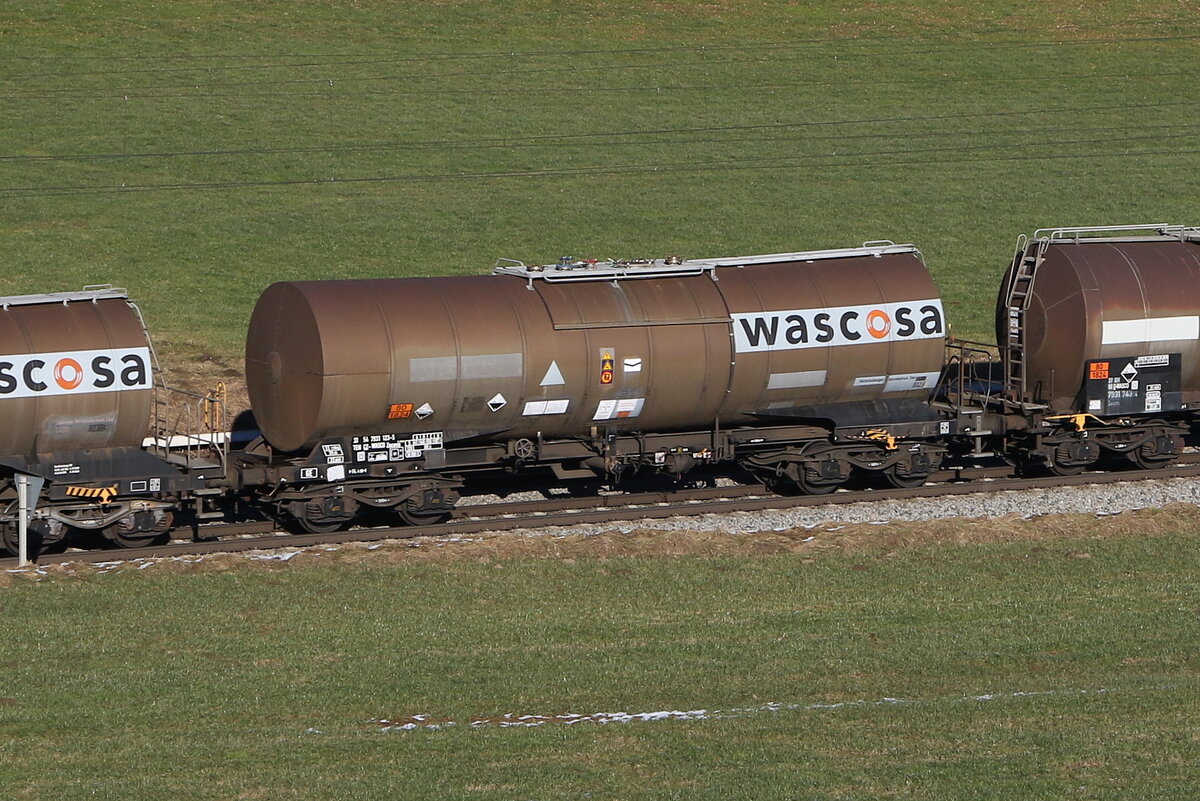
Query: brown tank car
{"x":1102,"y":299}
{"x":77,"y":394}
{"x":375,"y":399}
{"x":382,"y":399}
{"x":1096,"y":323}
{"x":564,"y":349}
{"x":75,"y":372}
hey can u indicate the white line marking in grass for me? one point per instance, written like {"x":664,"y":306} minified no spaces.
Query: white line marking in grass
{"x":511,"y":720}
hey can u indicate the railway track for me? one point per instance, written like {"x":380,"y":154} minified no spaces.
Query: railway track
{"x":574,"y":511}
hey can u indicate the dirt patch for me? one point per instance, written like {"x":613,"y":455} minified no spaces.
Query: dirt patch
{"x":199,"y":371}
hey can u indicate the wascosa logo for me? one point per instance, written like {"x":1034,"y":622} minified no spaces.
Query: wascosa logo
{"x":74,"y":372}
{"x":843,"y":325}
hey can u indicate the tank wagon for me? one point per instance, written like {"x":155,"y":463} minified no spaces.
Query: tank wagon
{"x":78,"y":395}
{"x":1099,"y":337}
{"x":384,"y":398}
{"x":798,"y":366}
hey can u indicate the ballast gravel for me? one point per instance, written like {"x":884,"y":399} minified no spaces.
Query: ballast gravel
{"x":1100,"y":500}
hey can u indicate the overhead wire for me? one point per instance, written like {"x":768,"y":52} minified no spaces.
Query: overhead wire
{"x":595,"y":140}
{"x":573,"y":143}
{"x":209,"y":91}
{"x":772,"y":163}
{"x":474,"y":54}
{"x":572,"y":68}
{"x":658,"y":88}
{"x":625,"y":133}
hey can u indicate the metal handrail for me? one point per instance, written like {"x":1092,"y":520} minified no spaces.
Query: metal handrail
{"x":621,"y":269}
{"x":1076,"y":233}
{"x":189,"y":426}
{"x":964,"y":352}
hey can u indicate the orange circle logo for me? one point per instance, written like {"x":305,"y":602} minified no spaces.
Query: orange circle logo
{"x":879,"y":325}
{"x":68,"y":373}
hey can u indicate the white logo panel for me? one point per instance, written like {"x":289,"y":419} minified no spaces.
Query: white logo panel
{"x":792,"y":329}
{"x":74,"y":372}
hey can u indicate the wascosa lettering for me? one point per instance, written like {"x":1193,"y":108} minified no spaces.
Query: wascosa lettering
{"x":843,"y":325}
{"x":74,"y":372}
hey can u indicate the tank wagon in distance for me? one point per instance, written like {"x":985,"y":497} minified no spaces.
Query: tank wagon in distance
{"x":798,"y":366}
{"x":1099,"y":338}
{"x":78,"y":395}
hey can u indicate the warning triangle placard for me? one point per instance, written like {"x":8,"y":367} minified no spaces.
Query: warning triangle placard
{"x":553,"y":376}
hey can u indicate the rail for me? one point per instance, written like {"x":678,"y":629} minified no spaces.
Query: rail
{"x":557,"y":512}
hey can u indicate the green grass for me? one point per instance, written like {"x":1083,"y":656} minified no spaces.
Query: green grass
{"x":145,"y":686}
{"x":361,"y":139}
{"x":197,"y":151}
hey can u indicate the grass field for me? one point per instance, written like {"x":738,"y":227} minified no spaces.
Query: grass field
{"x":1047,"y":668}
{"x":197,"y":151}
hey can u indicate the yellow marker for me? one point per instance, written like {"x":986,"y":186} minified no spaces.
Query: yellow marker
{"x":105,"y":494}
{"x":1077,"y":420}
{"x":881,"y":435}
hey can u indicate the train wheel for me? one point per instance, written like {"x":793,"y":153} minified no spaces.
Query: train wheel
{"x":810,"y":485}
{"x":1072,"y":458}
{"x":1142,"y":461}
{"x":137,"y":531}
{"x":309,"y":525}
{"x":10,"y":541}
{"x":416,"y":517}
{"x":1157,"y":453}
{"x":820,"y":478}
{"x":43,"y":535}
{"x":1060,"y":469}
{"x":428,"y":507}
{"x":319,"y":516}
{"x":139,"y":540}
{"x":904,"y":480}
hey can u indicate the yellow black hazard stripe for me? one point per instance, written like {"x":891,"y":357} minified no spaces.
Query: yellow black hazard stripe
{"x":105,"y":494}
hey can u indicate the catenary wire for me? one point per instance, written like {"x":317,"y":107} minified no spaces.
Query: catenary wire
{"x":772,"y":163}
{"x":544,"y":143}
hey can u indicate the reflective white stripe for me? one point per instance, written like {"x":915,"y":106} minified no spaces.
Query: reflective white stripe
{"x":910,"y":381}
{"x":546,"y":407}
{"x":804,"y":378}
{"x":1153,"y":329}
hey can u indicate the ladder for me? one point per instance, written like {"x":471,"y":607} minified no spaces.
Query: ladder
{"x":1020,"y":288}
